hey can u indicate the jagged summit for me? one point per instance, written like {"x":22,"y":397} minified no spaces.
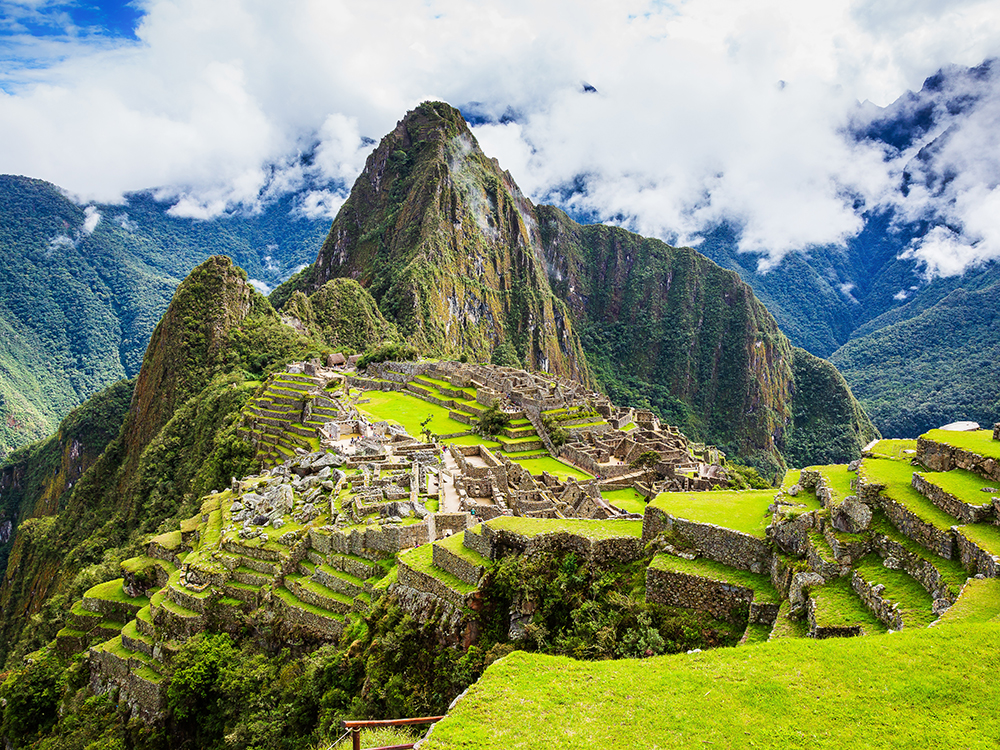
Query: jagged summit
{"x":448,"y":246}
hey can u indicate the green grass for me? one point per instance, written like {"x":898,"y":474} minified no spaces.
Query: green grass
{"x":170,"y":540}
{"x":590,"y":529}
{"x":919,"y":688}
{"x":894,"y":449}
{"x":979,"y":602}
{"x":553,"y":466}
{"x":432,"y":504}
{"x":838,"y":606}
{"x":456,"y":545}
{"x":630,"y":426}
{"x":786,"y":627}
{"x":383,"y":583}
{"x":627,"y":499}
{"x":716,"y":571}
{"x":962,"y":484}
{"x":421,"y":559}
{"x":913,"y":600}
{"x":838,"y":479}
{"x":983,"y":535}
{"x":980,"y":441}
{"x":409,"y":411}
{"x":741,"y":511}
{"x":474,"y":440}
{"x":755,"y":633}
{"x":951,"y":571}
{"x":112,"y":591}
{"x":896,"y":476}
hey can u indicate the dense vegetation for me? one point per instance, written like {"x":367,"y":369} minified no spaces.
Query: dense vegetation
{"x":235,"y":692}
{"x":77,"y":307}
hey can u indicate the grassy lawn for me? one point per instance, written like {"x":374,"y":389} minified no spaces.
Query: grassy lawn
{"x":979,"y":602}
{"x":473,"y":440}
{"x":716,"y":571}
{"x":838,"y":479}
{"x":838,"y":606}
{"x":456,"y":545}
{"x":741,"y":511}
{"x":894,"y":449}
{"x":931,"y":688}
{"x":583,"y":527}
{"x":553,"y":466}
{"x":896,"y":476}
{"x":913,"y":600}
{"x":112,"y":591}
{"x":984,"y":535}
{"x":627,"y":499}
{"x":964,"y":485}
{"x":409,"y":411}
{"x":421,"y":559}
{"x":980,"y":441}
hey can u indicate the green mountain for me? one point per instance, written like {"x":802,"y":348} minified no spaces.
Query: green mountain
{"x":176,"y":441}
{"x":449,"y":247}
{"x":81,"y":289}
{"x":462,"y":262}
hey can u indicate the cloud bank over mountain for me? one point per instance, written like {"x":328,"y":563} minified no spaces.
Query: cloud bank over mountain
{"x":666,"y":118}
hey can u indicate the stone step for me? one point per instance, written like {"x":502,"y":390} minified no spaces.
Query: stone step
{"x":192,"y":600}
{"x":144,"y":622}
{"x":244,"y":592}
{"x":177,"y":621}
{"x":252,"y":577}
{"x":338,"y":581}
{"x":248,"y":553}
{"x":451,"y":554}
{"x":134,"y":640}
{"x":356,"y":566}
{"x":318,"y":595}
{"x":298,"y":612}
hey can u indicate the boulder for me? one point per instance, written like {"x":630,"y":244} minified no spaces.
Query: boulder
{"x":798,"y":590}
{"x":852,"y":516}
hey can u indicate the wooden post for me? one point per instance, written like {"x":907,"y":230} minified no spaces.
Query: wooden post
{"x":356,"y":738}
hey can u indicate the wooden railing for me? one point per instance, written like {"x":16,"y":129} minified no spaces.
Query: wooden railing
{"x":355,"y":727}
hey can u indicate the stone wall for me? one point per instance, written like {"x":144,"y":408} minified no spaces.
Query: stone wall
{"x":941,"y":457}
{"x":871,"y":595}
{"x":922,"y":571}
{"x":792,"y":535}
{"x":720,"y":599}
{"x":966,"y":512}
{"x":457,"y":565}
{"x":146,"y":699}
{"x":975,"y":559}
{"x":714,"y":542}
{"x":421,"y":581}
{"x":940,"y":542}
{"x":595,"y":551}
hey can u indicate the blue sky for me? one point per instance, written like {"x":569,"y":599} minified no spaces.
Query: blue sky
{"x":704,"y":110}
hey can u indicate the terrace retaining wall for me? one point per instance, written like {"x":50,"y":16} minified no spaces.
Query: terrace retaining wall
{"x":975,"y":559}
{"x":595,"y":551}
{"x":942,"y":457}
{"x":966,"y":512}
{"x":940,"y":542}
{"x":715,"y":542}
{"x":870,"y":594}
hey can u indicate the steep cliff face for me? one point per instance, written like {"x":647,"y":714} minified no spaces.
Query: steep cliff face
{"x":36,"y":482}
{"x":448,"y":247}
{"x":667,"y":326}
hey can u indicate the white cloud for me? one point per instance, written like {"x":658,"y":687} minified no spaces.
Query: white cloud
{"x":92,"y":217}
{"x":260,"y":286}
{"x":705,"y":110}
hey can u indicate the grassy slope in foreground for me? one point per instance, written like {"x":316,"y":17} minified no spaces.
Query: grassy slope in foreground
{"x":931,"y":689}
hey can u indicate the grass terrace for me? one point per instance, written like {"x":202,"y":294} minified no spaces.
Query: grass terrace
{"x":894,"y":449}
{"x":760,"y":583}
{"x":421,"y":559}
{"x":837,"y":606}
{"x":896,"y":476}
{"x":409,"y":411}
{"x":951,"y":570}
{"x":474,"y":440}
{"x":979,"y":441}
{"x":913,"y":600}
{"x":553,"y":466}
{"x":964,"y":485}
{"x":838,"y":479}
{"x":112,"y":591}
{"x":586,"y":528}
{"x":627,"y":499}
{"x":932,"y":688}
{"x":983,"y":535}
{"x":979,"y":602}
{"x":740,"y":511}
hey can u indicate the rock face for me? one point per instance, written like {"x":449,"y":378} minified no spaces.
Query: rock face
{"x":449,"y":248}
